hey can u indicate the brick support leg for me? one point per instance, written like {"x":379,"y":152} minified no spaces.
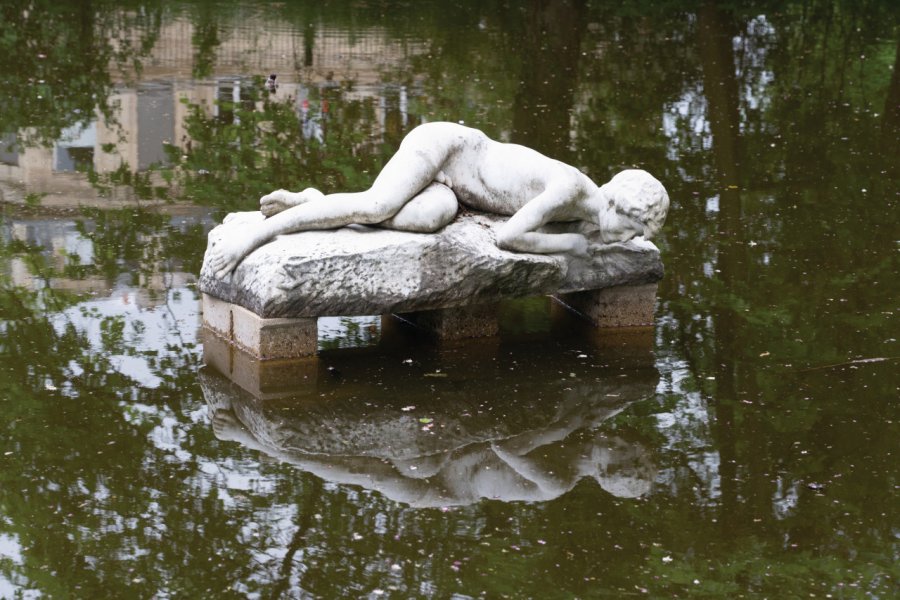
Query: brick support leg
{"x":458,"y":323}
{"x":263,"y":338}
{"x":621,"y":306}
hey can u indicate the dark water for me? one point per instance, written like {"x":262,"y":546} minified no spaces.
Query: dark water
{"x":746,"y":446}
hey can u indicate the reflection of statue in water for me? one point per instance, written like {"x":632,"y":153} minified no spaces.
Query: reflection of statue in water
{"x":439,"y":165}
{"x":534,"y":468}
{"x":467,"y":453}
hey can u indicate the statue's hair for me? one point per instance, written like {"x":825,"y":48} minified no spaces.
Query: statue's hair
{"x":639,"y":195}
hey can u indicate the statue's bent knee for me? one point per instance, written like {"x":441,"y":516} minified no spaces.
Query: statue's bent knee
{"x":430,"y":210}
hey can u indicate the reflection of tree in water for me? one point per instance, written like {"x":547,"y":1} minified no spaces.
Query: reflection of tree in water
{"x":206,"y":38}
{"x":58,"y":61}
{"x":813,"y":288}
{"x":542,"y":111}
{"x":76,"y":461}
{"x":232,"y":163}
{"x":789,"y":100}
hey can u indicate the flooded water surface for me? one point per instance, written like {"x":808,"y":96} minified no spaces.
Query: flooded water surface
{"x":744,"y":446}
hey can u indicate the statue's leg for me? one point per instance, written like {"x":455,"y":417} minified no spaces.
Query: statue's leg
{"x":412,"y":169}
{"x":415,"y":166}
{"x":430,"y":210}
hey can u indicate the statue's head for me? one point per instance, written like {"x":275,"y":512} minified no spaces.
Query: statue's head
{"x":622,"y":467}
{"x":638,"y":195}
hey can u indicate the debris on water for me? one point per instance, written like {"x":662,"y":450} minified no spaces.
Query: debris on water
{"x":667,"y":559}
{"x":408,"y":361}
{"x":425,"y":420}
{"x":817,"y":487}
{"x":408,"y":408}
{"x":435,"y":374}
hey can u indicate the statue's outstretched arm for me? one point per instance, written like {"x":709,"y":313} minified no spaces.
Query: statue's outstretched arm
{"x":520,"y":232}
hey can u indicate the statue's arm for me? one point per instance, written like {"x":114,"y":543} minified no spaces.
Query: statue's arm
{"x":520,"y":232}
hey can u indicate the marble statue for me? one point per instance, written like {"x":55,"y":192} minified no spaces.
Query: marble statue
{"x":442,"y":165}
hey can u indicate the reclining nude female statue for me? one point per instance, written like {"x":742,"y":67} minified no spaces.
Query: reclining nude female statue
{"x":440,"y":165}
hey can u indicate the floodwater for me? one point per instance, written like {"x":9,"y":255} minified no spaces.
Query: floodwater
{"x":746,"y":446}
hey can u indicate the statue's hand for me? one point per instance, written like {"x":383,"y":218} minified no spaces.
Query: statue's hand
{"x":580,"y":246}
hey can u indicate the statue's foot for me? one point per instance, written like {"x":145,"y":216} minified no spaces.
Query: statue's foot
{"x":442,"y":177}
{"x":280,"y":200}
{"x":227,"y":427}
{"x":225,"y":424}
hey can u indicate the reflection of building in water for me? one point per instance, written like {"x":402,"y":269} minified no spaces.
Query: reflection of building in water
{"x":152,"y":114}
{"x":146,"y":122}
{"x":256,"y":46}
{"x":63,"y":244}
{"x":9,"y":154}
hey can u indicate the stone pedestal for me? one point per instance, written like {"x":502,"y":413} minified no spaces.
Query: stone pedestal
{"x":458,"y":323}
{"x":450,"y":283}
{"x":369,"y":271}
{"x":263,"y":338}
{"x":619,"y":306}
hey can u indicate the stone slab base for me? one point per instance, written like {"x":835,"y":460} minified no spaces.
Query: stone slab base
{"x":263,"y":338}
{"x":620,"y":306}
{"x":360,"y":270}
